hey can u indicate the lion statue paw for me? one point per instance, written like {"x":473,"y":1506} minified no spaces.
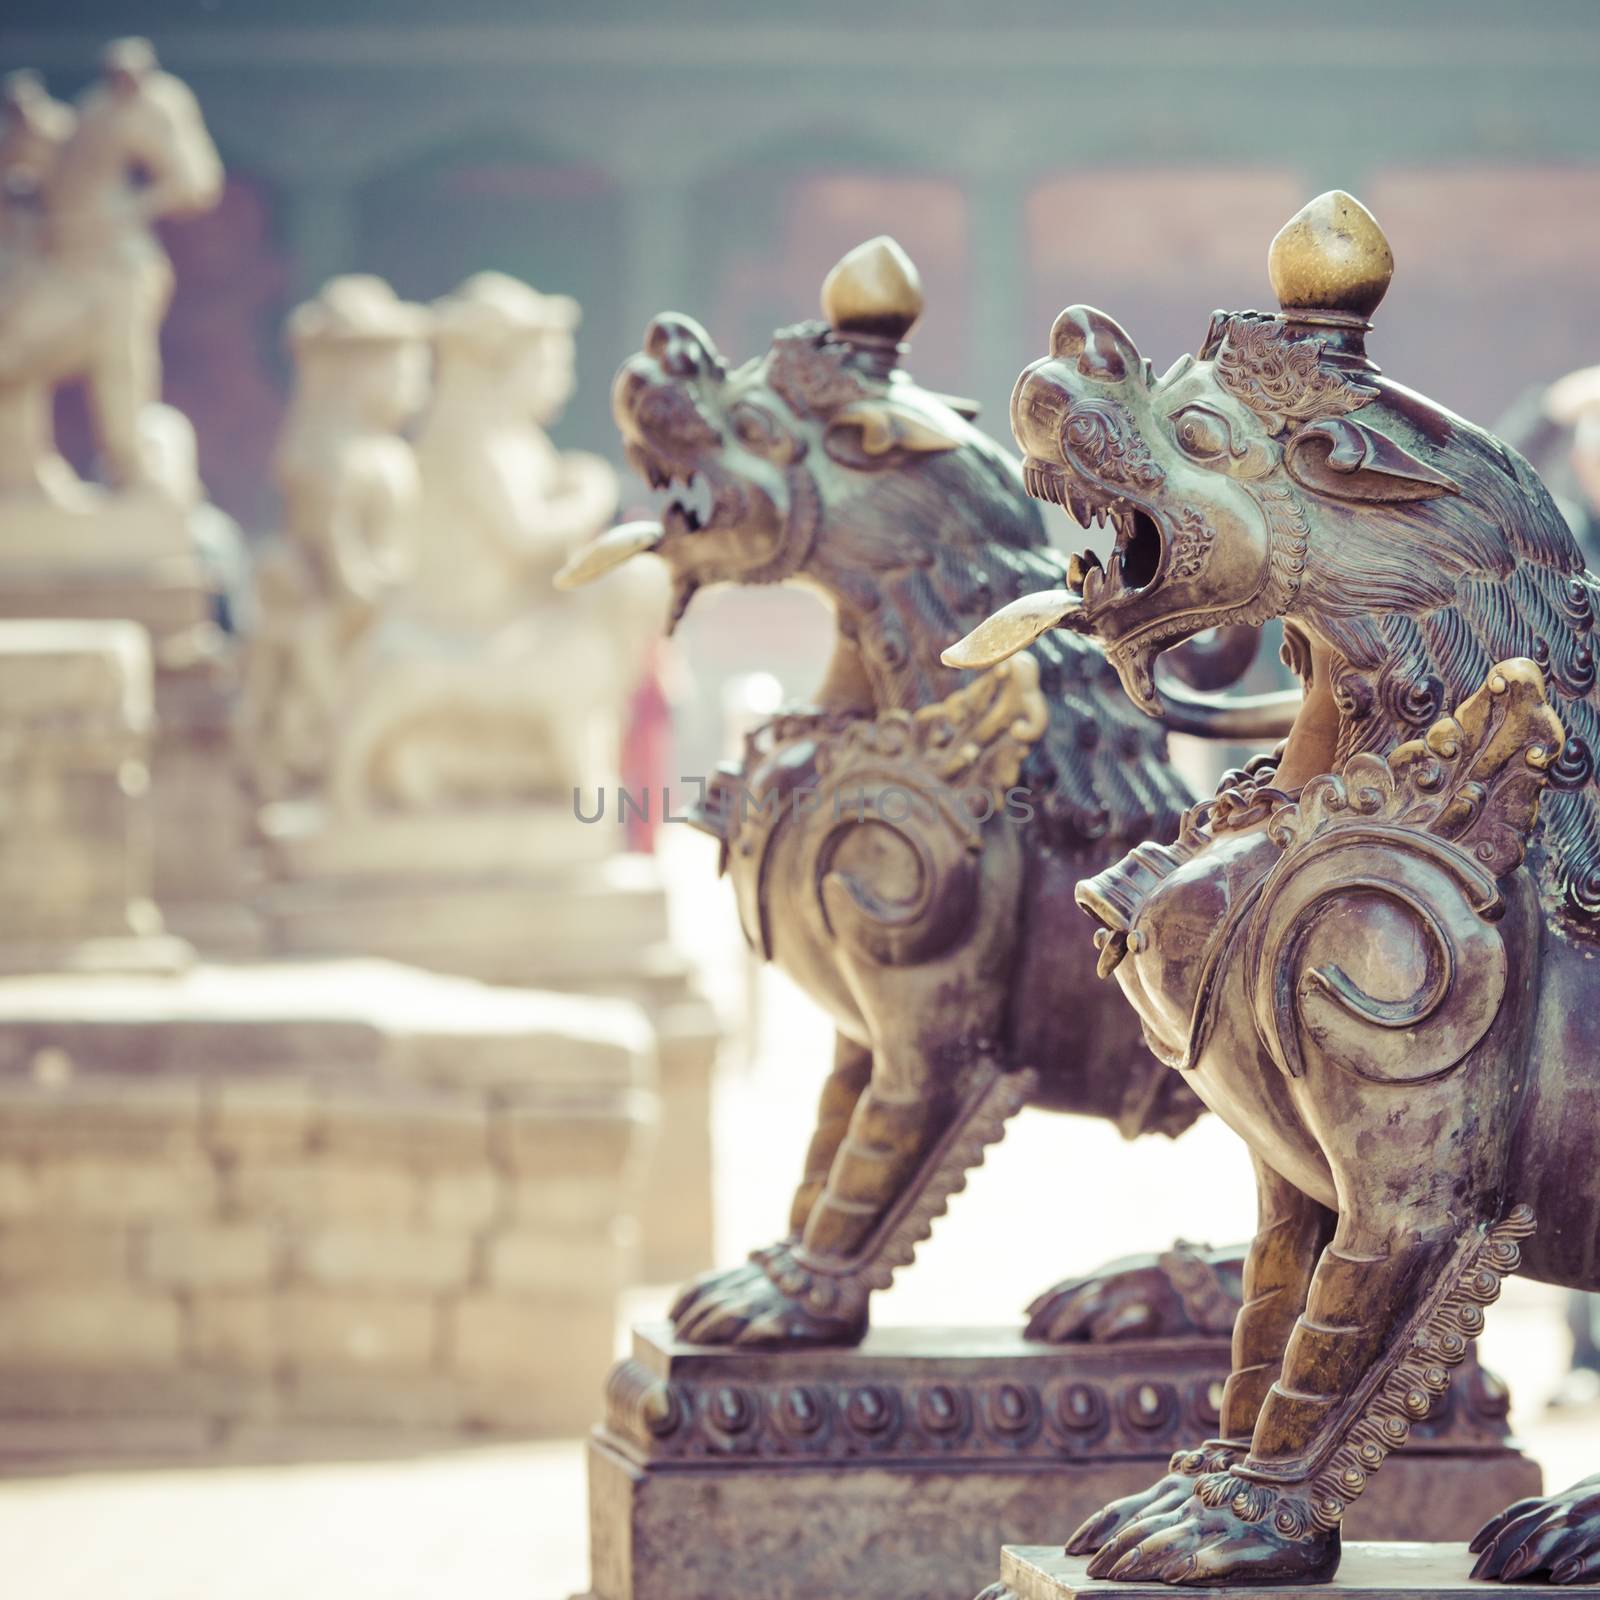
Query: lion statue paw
{"x":1189,"y":1289}
{"x":772,"y":1301}
{"x":1555,"y":1537}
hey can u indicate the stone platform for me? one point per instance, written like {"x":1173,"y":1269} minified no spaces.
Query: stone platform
{"x":135,"y":558}
{"x":529,"y":897}
{"x":1368,"y":1571}
{"x":902,"y":1466}
{"x":114,"y":557}
{"x":314,"y":1193}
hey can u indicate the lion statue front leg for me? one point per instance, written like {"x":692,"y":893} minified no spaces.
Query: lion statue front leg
{"x":1291,"y":1231}
{"x":1384,"y":968}
{"x":747,"y":1304}
{"x":1392,"y":1306}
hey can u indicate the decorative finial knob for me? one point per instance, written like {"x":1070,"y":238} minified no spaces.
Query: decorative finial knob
{"x":1331,"y":255}
{"x":874,"y":289}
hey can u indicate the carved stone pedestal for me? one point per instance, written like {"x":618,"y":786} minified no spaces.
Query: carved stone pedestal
{"x":528,"y":898}
{"x":899,"y":1468}
{"x":1369,"y":1571}
{"x":524,"y":897}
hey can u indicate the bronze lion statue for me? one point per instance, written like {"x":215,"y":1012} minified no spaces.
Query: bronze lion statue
{"x":1373,"y":957}
{"x":906,"y":847}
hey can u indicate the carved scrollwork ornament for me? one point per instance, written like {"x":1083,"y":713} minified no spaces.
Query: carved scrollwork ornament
{"x":915,"y":774}
{"x":1400,"y":856}
{"x":1279,"y":374}
{"x":1214,"y":1456}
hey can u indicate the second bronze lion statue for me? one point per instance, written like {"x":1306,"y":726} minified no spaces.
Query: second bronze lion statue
{"x":906,"y":847}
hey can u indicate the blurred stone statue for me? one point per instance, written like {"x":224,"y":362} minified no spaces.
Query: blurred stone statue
{"x":418,"y":711}
{"x":462,"y":705}
{"x":33,"y":126}
{"x":349,"y":483}
{"x":502,"y":507}
{"x":85,"y":281}
{"x":84,"y":287}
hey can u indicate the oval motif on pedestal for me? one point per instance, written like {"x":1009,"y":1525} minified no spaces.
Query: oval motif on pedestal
{"x":1012,"y":1414}
{"x":801,"y":1413}
{"x":661,"y":1410}
{"x":872,"y":1414}
{"x":1078,"y":1413}
{"x":1149,"y":1407}
{"x":945,"y":1413}
{"x":731,"y":1416}
{"x":1205,"y":1402}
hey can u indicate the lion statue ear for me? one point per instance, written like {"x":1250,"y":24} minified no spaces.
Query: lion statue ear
{"x":1347,"y":460}
{"x":874,"y":428}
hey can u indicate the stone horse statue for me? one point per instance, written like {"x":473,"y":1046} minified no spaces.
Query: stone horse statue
{"x":906,"y":847}
{"x":1374,"y":957}
{"x":84,"y":288}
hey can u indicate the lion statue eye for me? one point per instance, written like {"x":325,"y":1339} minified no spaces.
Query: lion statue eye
{"x":1202,"y":433}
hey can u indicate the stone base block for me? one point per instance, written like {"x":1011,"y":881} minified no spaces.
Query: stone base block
{"x":120,"y":557}
{"x":478,"y":895}
{"x":104,"y":531}
{"x":1368,"y":1571}
{"x":345,"y":1193}
{"x":224,"y":929}
{"x":304,"y":843}
{"x":901,"y":1467}
{"x":586,"y":925}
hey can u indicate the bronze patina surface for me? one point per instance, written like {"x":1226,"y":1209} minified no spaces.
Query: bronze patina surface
{"x":1375,"y":962}
{"x":906,"y":847}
